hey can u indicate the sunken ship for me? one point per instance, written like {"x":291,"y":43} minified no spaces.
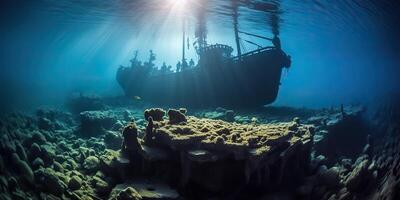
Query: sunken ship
{"x":219,"y":79}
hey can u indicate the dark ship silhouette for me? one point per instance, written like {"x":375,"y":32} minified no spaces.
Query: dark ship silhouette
{"x":219,"y":79}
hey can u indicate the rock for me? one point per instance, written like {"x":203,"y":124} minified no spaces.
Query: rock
{"x":147,"y":189}
{"x":317,"y":162}
{"x":75,"y":183}
{"x":330,"y":177}
{"x":38,"y":138}
{"x":347,"y":163}
{"x":70,"y":164}
{"x":183,"y":110}
{"x":12,"y":184}
{"x":117,"y":126}
{"x":345,"y":196}
{"x":49,"y":182}
{"x":93,"y":123}
{"x":59,"y":158}
{"x":229,"y":116}
{"x":34,"y":151}
{"x":345,"y":137}
{"x":4,"y":196}
{"x":113,"y":140}
{"x":128,"y":193}
{"x":23,"y":168}
{"x":156,"y":113}
{"x":332,"y":197}
{"x":21,"y":151}
{"x":91,"y":163}
{"x":101,"y":186}
{"x":354,"y":181}
{"x":367,"y":149}
{"x":37,"y":163}
{"x":176,"y":117}
{"x":47,"y":154}
{"x":58,"y":167}
{"x":18,"y":195}
{"x":242,"y":119}
{"x":45,"y":124}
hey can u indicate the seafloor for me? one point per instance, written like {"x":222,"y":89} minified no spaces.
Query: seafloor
{"x":104,"y":149}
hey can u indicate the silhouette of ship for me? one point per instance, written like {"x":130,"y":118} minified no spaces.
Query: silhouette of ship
{"x":219,"y":79}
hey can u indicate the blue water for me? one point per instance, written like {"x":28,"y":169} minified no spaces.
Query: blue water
{"x":342,"y":51}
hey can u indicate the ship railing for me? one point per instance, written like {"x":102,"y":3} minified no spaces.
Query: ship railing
{"x":237,"y":58}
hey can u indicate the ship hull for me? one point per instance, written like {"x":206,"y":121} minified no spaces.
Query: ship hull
{"x":251,"y":81}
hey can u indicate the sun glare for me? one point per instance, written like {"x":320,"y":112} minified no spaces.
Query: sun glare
{"x":177,"y":3}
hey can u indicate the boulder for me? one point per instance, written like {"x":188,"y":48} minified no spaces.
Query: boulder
{"x":34,"y":151}
{"x":75,"y":183}
{"x":49,"y":182}
{"x":176,"y":117}
{"x":229,"y":116}
{"x":113,"y":140}
{"x":354,"y":181}
{"x":21,"y":151}
{"x":129,"y":193}
{"x":330,"y":177}
{"x":101,"y":186}
{"x":91,"y":164}
{"x":23,"y":168}
{"x":45,"y":124}
{"x":156,"y":113}
{"x":37,"y":163}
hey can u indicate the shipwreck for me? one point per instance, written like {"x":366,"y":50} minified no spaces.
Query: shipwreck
{"x":219,"y":79}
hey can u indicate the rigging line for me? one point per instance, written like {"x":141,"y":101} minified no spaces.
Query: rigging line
{"x":253,"y":43}
{"x":242,"y":45}
{"x":254,"y":35}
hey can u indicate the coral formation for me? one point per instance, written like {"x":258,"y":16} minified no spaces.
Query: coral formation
{"x":157,"y":114}
{"x":176,"y":116}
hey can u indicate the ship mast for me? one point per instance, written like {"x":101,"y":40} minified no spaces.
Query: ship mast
{"x":201,"y":27}
{"x":235,"y":27}
{"x":183,"y":39}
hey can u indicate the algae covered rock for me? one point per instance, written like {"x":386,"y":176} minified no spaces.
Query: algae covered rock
{"x":23,"y":168}
{"x":101,"y":186}
{"x":176,"y":116}
{"x":48,"y":180}
{"x":113,"y":140}
{"x":358,"y":176}
{"x":156,"y":113}
{"x":75,"y":183}
{"x":37,"y":163}
{"x":91,"y":163}
{"x":45,"y":124}
{"x":128,"y":193}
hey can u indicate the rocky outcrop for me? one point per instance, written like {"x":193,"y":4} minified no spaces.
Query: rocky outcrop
{"x":176,"y":116}
{"x":246,"y":150}
{"x":157,"y":114}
